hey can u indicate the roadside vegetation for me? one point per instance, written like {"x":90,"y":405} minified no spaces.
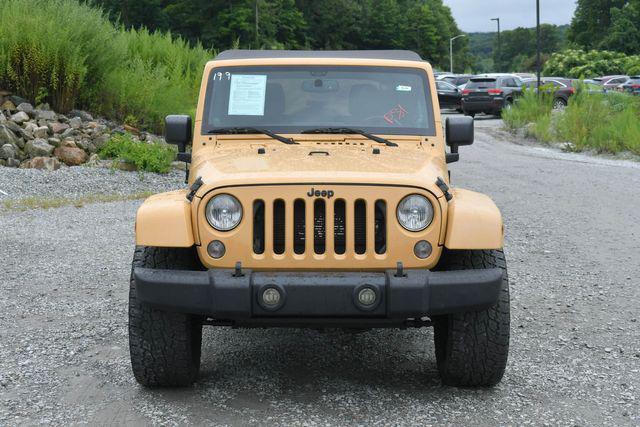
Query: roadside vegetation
{"x":153,"y":157}
{"x":68,"y":54}
{"x":606,"y":123}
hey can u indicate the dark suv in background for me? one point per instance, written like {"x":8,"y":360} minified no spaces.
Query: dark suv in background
{"x":490,"y":94}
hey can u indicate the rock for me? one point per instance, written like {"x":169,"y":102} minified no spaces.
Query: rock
{"x":94,"y":160}
{"x":45,"y":115}
{"x":75,"y":122}
{"x":86,"y":145}
{"x":28,"y":130}
{"x":44,"y":106}
{"x":7,"y":136}
{"x":131,"y":129}
{"x":8,"y":106}
{"x":71,"y":156}
{"x":57,"y":127}
{"x":38,"y":147}
{"x":54,"y":141}
{"x":45,"y":163}
{"x":126,"y":166}
{"x":68,"y":142}
{"x":8,"y":151}
{"x":20,"y":117}
{"x":17,"y":100}
{"x":41,"y":132}
{"x":12,"y":163}
{"x":83,"y":115}
{"x":99,"y":141}
{"x":25,"y":107}
{"x":69,"y":132}
{"x":2,"y":118}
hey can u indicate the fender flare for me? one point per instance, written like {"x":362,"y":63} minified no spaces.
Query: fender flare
{"x":164,"y":220}
{"x":473,"y":222}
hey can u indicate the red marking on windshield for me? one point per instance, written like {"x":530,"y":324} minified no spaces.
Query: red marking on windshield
{"x":395,"y":114}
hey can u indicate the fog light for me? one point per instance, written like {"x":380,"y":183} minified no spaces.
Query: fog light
{"x":367,"y":296}
{"x":422,"y":249}
{"x":271,"y":297}
{"x":216,"y":249}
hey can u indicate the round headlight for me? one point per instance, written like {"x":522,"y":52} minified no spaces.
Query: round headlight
{"x":415,"y":212}
{"x":224,"y":212}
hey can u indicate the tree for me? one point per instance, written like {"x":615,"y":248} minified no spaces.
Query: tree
{"x":624,"y":33}
{"x":591,"y":21}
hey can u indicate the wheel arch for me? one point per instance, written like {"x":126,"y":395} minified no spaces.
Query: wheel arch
{"x":164,"y":220}
{"x":473,"y":222}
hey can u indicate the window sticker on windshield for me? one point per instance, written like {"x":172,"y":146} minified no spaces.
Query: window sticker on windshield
{"x":247,"y":95}
{"x":402,"y":88}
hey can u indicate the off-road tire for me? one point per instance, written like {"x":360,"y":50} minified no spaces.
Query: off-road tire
{"x":164,"y":346}
{"x":472,"y":347}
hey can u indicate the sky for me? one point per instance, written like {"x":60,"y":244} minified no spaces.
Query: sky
{"x":475,"y":15}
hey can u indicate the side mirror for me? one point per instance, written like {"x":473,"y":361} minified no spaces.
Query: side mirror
{"x":177,"y":131}
{"x":459,"y":132}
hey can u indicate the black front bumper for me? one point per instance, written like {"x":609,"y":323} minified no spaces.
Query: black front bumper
{"x":323,"y":296}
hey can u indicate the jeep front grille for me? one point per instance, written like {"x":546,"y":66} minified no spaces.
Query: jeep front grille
{"x":327,"y":220}
{"x":284,"y":228}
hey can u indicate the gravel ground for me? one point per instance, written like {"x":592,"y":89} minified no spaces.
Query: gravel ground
{"x":573,"y":244}
{"x":77,"y":182}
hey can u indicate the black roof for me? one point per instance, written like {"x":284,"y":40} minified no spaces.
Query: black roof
{"x":401,"y":55}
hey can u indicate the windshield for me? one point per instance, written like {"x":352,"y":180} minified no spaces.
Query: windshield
{"x":384,"y":100}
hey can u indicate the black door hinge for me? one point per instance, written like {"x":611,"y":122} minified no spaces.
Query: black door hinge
{"x":194,"y":188}
{"x":444,"y":188}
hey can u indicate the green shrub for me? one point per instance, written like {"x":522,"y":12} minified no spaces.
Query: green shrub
{"x":580,"y":64}
{"x":67,"y":53}
{"x":153,"y":157}
{"x":606,"y":123}
{"x":529,"y":108}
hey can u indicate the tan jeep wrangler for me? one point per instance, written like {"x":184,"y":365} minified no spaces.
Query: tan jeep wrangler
{"x":319,"y":197}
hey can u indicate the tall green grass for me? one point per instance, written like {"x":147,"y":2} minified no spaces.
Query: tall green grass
{"x":606,"y":123}
{"x":67,"y":53}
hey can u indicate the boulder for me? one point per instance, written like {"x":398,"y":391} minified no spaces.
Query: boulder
{"x":68,"y":132}
{"x":83,"y":115}
{"x":8,"y":106}
{"x":25,"y":107}
{"x":41,"y":132}
{"x":20,"y":117}
{"x":99,"y":141}
{"x":71,"y":156}
{"x":57,"y":127}
{"x":75,"y":122}
{"x":8,"y":151}
{"x":45,"y":163}
{"x":12,"y":163}
{"x":47,"y":115}
{"x":68,"y":142}
{"x":7,"y":136}
{"x":17,"y":100}
{"x":54,"y":141}
{"x":86,"y":145}
{"x":38,"y":147}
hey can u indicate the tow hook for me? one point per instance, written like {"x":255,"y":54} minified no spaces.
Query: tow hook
{"x":194,"y":188}
{"x":444,"y":188}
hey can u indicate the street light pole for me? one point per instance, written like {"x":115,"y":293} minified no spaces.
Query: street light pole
{"x":499,"y":45}
{"x":451,"y":50}
{"x":538,"y":64}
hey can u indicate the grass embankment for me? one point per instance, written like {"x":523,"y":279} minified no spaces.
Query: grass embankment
{"x":68,"y":54}
{"x":606,"y":123}
{"x":52,"y":203}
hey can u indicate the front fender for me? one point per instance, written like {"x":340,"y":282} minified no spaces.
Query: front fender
{"x":164,"y":220}
{"x":473,"y":222}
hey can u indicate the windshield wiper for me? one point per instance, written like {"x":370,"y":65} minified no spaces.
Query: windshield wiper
{"x":241,"y":130}
{"x":353,"y":131}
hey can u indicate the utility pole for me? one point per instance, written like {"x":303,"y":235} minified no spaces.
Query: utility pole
{"x":538,"y":63}
{"x":451,"y":50}
{"x":497,"y":65}
{"x":257,"y":19}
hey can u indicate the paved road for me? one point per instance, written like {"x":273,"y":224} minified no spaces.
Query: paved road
{"x":573,"y":247}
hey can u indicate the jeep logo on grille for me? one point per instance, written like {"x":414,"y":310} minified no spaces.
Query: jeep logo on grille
{"x":320,"y":193}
